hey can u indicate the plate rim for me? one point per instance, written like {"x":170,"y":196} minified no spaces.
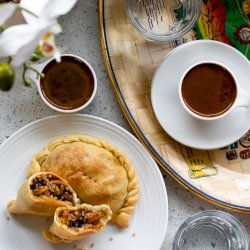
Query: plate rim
{"x":153,"y":88}
{"x":139,"y":133}
{"x":155,"y":167}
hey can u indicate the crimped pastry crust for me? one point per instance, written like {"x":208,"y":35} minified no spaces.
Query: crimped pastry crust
{"x":96,"y":170}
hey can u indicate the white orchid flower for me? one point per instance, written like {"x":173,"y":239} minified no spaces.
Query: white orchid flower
{"x":6,"y":11}
{"x":20,"y":41}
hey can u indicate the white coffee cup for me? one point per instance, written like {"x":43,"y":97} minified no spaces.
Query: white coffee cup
{"x":40,"y":67}
{"x":242,"y":97}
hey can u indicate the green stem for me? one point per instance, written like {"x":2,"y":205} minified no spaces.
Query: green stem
{"x":26,"y":80}
{"x":35,"y":70}
{"x":28,"y":11}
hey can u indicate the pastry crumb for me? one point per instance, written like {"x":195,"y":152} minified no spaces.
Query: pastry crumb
{"x":7,"y":218}
{"x":111,"y":238}
{"x":83,"y":248}
{"x":48,"y":220}
{"x":133,"y":235}
{"x":74,"y":246}
{"x":92,"y":245}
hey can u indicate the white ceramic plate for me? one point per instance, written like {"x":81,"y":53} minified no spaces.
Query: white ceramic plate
{"x":149,"y":222}
{"x":172,"y":115}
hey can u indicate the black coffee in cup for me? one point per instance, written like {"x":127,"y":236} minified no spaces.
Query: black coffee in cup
{"x":209,"y":90}
{"x":67,"y":85}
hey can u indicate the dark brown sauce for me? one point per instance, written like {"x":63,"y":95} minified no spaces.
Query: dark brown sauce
{"x":67,"y":85}
{"x":209,"y":90}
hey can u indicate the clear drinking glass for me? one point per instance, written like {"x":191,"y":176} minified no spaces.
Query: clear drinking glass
{"x":211,"y":230}
{"x":163,"y":20}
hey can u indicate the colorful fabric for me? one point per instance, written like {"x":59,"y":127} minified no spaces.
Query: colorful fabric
{"x":226,"y":21}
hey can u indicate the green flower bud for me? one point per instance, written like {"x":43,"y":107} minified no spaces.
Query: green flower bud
{"x":7,"y":76}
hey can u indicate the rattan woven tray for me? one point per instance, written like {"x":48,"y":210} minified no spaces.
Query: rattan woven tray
{"x":219,"y":176}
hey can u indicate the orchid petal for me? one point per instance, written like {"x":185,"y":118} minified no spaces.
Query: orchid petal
{"x":55,"y":8}
{"x":35,"y":7}
{"x":57,"y":55}
{"x":21,"y":40}
{"x":26,"y":51}
{"x":46,"y":9}
{"x":6,"y":11}
{"x":56,"y":29}
{"x":14,"y":38}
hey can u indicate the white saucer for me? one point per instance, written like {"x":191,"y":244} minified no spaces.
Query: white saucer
{"x":170,"y":113}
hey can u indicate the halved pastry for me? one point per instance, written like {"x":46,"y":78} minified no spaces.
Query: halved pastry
{"x":74,"y":223}
{"x":42,"y":194}
{"x":96,"y":170}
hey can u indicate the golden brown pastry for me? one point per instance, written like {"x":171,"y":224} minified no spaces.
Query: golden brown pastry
{"x":42,"y":194}
{"x":96,"y":170}
{"x":74,"y":223}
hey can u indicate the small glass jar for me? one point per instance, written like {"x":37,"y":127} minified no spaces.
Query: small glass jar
{"x":211,"y":230}
{"x":163,"y":20}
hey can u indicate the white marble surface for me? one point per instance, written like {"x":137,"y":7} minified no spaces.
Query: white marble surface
{"x":23,"y":105}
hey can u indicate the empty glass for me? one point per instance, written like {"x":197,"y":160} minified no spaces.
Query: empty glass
{"x":163,"y":20}
{"x":211,"y":230}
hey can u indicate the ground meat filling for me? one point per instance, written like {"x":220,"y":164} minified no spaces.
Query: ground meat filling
{"x":51,"y":186}
{"x":80,"y":218}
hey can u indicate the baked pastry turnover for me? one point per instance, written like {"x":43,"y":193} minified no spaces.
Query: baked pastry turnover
{"x":97,"y":171}
{"x":74,"y":223}
{"x":42,"y":194}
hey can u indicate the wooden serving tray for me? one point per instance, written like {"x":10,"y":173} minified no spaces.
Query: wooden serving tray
{"x":220,"y":176}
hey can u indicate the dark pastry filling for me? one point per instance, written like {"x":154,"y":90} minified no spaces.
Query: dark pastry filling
{"x":80,"y":218}
{"x":50,"y":186}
